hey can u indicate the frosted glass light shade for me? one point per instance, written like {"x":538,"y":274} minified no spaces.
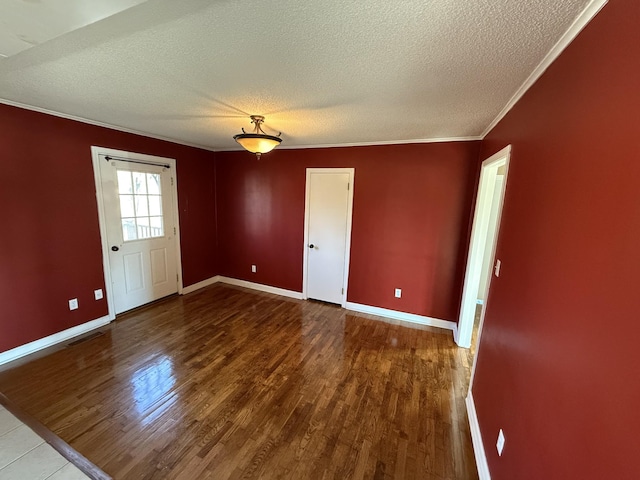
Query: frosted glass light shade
{"x":257,"y":143}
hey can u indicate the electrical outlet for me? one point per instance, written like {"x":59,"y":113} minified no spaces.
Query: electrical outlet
{"x":500,"y":442}
{"x":254,"y":269}
{"x":398,"y":292}
{"x":73,"y":304}
{"x":98,"y":294}
{"x":496,"y":269}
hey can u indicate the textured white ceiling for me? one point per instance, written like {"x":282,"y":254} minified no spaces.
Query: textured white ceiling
{"x":26,"y":23}
{"x":322,"y":72}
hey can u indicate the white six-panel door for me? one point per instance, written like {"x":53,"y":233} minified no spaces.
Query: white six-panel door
{"x":328,"y":232}
{"x":140,"y":232}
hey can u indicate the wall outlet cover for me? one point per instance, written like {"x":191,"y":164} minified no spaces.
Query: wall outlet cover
{"x":73,"y":304}
{"x":398,"y":293}
{"x":98,"y":294}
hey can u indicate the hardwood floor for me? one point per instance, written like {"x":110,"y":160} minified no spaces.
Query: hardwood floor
{"x":230,"y":383}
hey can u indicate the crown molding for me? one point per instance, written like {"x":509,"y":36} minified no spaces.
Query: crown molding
{"x":100,"y":124}
{"x":366,"y":144}
{"x":202,"y":147}
{"x":590,"y":11}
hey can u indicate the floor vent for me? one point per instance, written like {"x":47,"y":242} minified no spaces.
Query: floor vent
{"x":84,"y":339}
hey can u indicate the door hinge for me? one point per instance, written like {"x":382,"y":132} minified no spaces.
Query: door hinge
{"x":343,"y":291}
{"x":172,"y":181}
{"x":348,"y":184}
{"x":177,"y":277}
{"x":174,"y":230}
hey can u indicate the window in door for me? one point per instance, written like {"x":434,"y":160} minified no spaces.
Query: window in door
{"x":140,"y":205}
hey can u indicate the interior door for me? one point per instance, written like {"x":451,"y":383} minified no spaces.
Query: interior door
{"x":140,"y":228}
{"x":328,"y":215}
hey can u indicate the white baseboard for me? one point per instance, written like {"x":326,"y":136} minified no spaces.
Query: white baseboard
{"x":407,"y":317}
{"x":478,"y":446}
{"x":356,"y":307}
{"x":32,"y":347}
{"x":261,"y":287}
{"x":202,"y":284}
{"x":242,"y":283}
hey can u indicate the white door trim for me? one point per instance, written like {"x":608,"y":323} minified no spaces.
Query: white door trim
{"x":477,"y":244}
{"x":95,"y":153}
{"x":347,"y":254}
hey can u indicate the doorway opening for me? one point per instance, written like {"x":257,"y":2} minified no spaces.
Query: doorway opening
{"x":327,"y":234}
{"x":138,"y":217}
{"x":481,"y":263}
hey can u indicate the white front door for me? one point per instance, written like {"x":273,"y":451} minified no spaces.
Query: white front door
{"x":328,"y":233}
{"x":140,"y":231}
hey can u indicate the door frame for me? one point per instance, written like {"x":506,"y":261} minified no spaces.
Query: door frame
{"x":96,"y":151}
{"x":347,"y":251}
{"x":481,"y":215}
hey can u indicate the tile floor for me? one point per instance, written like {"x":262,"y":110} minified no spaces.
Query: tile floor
{"x":26,"y":456}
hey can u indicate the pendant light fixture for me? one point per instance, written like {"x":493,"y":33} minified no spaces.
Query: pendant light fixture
{"x":257,"y":142}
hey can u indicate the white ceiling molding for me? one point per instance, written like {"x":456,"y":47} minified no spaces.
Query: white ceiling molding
{"x":368,"y":144}
{"x":325,"y":73}
{"x":237,"y":149}
{"x":98,"y":124}
{"x":578,"y":25}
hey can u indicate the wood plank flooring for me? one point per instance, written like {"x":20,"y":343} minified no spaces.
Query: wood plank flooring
{"x":230,"y":383}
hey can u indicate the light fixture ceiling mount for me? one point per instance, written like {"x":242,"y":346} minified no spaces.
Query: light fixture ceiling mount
{"x":258,"y":142}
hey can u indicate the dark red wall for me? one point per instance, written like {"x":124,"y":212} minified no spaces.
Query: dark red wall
{"x":558,"y":364}
{"x":50,"y":244}
{"x":410,"y":212}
